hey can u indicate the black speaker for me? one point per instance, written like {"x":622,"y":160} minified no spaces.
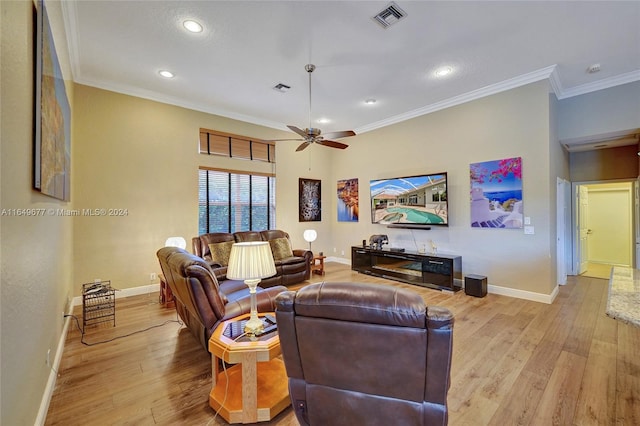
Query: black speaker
{"x":475,"y":285}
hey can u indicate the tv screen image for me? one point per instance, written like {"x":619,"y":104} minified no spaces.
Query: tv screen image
{"x":419,"y":200}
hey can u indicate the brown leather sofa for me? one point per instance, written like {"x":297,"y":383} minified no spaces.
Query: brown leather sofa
{"x":289,"y":270}
{"x":359,"y":354}
{"x":200,"y":301}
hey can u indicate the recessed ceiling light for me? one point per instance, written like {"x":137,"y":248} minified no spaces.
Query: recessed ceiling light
{"x":443,"y":71}
{"x":370,"y":101}
{"x":192,"y":26}
{"x":166,"y":74}
{"x":323,"y":120}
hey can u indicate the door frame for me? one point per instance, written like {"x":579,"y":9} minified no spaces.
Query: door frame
{"x":575,"y":225}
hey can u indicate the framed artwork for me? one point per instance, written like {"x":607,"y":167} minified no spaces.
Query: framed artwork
{"x":348,"y":200}
{"x":310,"y":207}
{"x":52,"y":144}
{"x":496,"y":193}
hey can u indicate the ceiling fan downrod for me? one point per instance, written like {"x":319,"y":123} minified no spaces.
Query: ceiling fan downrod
{"x":309,"y":68}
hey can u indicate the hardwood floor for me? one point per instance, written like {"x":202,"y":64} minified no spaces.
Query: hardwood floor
{"x":515,"y":362}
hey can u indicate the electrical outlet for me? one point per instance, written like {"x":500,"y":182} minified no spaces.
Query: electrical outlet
{"x":153,"y":276}
{"x":334,"y":250}
{"x":342,"y":252}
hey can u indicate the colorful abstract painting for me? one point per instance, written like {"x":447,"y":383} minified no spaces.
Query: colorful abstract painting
{"x":496,"y":194}
{"x":348,"y":200}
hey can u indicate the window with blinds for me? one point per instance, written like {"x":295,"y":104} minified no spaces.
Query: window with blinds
{"x":233,"y":201}
{"x":229,"y":145}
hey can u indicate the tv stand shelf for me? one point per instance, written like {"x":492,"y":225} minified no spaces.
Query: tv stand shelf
{"x":441,"y":272}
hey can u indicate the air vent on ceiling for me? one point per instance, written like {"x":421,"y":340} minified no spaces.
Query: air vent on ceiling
{"x":390,"y":15}
{"x":283,"y":88}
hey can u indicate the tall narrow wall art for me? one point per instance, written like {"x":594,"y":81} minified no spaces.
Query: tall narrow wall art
{"x":348,"y":200}
{"x":310,"y":194}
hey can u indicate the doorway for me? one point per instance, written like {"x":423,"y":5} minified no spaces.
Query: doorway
{"x":604,"y":234}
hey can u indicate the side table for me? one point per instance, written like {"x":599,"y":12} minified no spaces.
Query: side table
{"x":318,"y":268}
{"x":257,"y":388}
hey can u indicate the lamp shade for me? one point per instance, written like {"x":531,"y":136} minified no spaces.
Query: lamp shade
{"x":176,"y":242}
{"x":251,"y":260}
{"x":310,"y":235}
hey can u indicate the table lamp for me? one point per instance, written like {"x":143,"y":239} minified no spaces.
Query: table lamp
{"x":251,"y":261}
{"x":176,"y":242}
{"x":310,"y":236}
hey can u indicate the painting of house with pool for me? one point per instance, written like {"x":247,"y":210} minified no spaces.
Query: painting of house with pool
{"x":496,"y":193}
{"x":412,"y":200}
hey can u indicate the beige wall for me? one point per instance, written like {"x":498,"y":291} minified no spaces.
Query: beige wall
{"x":36,"y":252}
{"x":142,"y":157}
{"x":514,"y":123}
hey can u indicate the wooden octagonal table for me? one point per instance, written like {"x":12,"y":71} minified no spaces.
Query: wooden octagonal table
{"x":256,"y":388}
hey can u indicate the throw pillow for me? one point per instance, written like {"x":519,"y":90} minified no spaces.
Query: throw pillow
{"x":220,"y":252}
{"x":281,"y":248}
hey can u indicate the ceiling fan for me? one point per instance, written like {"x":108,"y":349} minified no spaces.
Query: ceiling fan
{"x":314,"y":135}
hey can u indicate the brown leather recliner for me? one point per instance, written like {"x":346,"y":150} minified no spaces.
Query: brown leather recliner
{"x":201,"y":302}
{"x":365,"y":354}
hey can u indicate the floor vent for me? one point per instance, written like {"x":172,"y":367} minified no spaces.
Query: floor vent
{"x":390,"y":15}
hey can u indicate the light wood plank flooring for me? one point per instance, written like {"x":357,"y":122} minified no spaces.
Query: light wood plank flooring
{"x":515,"y":363}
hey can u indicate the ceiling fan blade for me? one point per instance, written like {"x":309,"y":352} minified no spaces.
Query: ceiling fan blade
{"x":338,"y":135}
{"x":298,"y":131}
{"x":303,"y":145}
{"x":332,"y":144}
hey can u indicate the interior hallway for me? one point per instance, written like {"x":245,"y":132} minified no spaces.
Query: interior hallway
{"x":598,"y":270}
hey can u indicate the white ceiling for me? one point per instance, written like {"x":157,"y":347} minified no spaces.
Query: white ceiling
{"x":247,"y":47}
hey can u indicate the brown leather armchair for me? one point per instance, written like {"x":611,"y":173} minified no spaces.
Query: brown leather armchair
{"x":201,"y":302}
{"x":359,"y":354}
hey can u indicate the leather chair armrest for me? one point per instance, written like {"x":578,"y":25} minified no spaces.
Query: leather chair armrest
{"x":303,"y":253}
{"x":195,"y":244}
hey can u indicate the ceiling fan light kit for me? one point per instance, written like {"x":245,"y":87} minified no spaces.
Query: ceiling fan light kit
{"x":313,"y":134}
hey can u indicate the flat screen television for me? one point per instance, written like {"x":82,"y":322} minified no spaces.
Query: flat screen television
{"x":410,"y":201}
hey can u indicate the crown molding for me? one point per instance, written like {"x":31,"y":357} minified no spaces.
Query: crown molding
{"x":606,"y":83}
{"x":492,"y":89}
{"x":70,"y":18}
{"x":154,"y":96}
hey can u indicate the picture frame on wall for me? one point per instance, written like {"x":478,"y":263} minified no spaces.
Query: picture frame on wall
{"x":52,"y":143}
{"x":496,"y":194}
{"x":348,"y":200}
{"x":310,"y":200}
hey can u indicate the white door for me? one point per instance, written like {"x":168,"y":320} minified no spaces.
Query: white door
{"x":560,"y":231}
{"x":583,"y":228}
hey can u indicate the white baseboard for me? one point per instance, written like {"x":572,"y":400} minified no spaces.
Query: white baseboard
{"x":523,"y":294}
{"x":503,"y":291}
{"x":342,"y":260}
{"x":53,"y":373}
{"x":126,"y":292}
